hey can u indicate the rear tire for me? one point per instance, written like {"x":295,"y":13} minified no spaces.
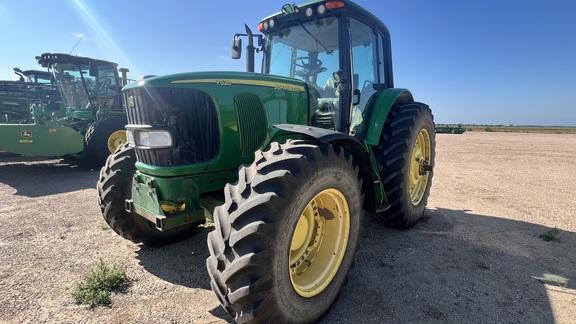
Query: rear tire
{"x":286,"y":236}
{"x":103,"y":137}
{"x":405,"y":156}
{"x":114,"y":187}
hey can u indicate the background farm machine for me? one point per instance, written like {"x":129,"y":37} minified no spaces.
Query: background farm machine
{"x":449,"y":129}
{"x":32,"y":86}
{"x":81,"y":117}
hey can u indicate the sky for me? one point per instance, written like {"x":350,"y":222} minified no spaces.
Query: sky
{"x":490,"y":62}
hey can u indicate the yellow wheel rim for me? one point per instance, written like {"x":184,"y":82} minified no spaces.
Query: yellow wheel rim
{"x":116,"y":139}
{"x":420,"y":166}
{"x":319,"y":242}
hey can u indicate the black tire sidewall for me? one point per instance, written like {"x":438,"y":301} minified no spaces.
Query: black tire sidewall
{"x":394,"y":153}
{"x":415,"y":211}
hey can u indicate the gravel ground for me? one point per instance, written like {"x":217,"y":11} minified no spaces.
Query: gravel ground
{"x":475,"y":258}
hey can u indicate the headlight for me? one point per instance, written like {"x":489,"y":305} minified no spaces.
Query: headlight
{"x":154,"y":138}
{"x":149,"y":138}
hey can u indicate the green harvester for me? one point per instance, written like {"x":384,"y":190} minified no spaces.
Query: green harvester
{"x":449,"y":129}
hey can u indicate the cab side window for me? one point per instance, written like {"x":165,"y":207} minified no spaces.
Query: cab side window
{"x":365,"y":60}
{"x":368,"y":61}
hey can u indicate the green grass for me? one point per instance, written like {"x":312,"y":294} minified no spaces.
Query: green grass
{"x":96,"y":287}
{"x":550,"y":235}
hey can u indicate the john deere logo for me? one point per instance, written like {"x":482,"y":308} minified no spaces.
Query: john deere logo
{"x":26,"y":134}
{"x":131,"y":102}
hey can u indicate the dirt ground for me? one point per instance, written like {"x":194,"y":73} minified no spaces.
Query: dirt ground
{"x":475,"y":258}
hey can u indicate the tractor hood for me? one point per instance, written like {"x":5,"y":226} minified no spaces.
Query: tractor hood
{"x":223,"y":79}
{"x":216,"y":120}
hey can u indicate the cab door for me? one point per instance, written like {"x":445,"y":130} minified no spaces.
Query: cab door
{"x":368,"y":66}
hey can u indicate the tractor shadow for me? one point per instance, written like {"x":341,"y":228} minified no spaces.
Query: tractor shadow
{"x":182,"y":263}
{"x":37,"y":177}
{"x":456,"y":267}
{"x":452,"y":267}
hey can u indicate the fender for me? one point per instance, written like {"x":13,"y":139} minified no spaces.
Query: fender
{"x":377,"y":110}
{"x":350,"y":144}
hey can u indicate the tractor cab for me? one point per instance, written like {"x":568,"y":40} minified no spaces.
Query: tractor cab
{"x":33,"y":76}
{"x":88,"y":86}
{"x":339,"y":49}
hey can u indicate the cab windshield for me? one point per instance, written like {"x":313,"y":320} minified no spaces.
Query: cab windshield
{"x":81,"y":90}
{"x":308,"y":51}
{"x":38,"y":78}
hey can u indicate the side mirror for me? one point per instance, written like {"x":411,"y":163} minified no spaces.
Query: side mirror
{"x":342,"y":84}
{"x":20,"y":74}
{"x":338,"y":75}
{"x":93,"y":69}
{"x":236,"y":48}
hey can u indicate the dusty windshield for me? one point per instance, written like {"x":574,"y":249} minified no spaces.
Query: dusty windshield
{"x":309,"y":52}
{"x":68,"y":78}
{"x":74,"y":80}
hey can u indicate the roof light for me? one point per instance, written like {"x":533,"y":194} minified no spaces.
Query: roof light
{"x":265,"y":25}
{"x":272,"y":22}
{"x":309,"y":11}
{"x":334,"y":4}
{"x":260,"y":27}
{"x":321,"y":9}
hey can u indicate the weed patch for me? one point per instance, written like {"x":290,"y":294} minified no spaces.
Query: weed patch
{"x":550,"y":235}
{"x":96,"y":287}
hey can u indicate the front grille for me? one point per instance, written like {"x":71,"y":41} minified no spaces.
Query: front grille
{"x":191,"y":114}
{"x":251,"y":122}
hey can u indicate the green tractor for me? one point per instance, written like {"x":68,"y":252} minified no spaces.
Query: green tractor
{"x":300,"y":150}
{"x":16,"y":97}
{"x":88,"y":125}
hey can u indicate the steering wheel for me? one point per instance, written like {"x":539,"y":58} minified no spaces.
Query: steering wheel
{"x":106,"y":84}
{"x":304,"y":63}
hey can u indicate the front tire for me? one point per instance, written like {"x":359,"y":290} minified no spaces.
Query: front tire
{"x":286,"y":236}
{"x":114,"y":187}
{"x":405,"y":156}
{"x":103,"y":137}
